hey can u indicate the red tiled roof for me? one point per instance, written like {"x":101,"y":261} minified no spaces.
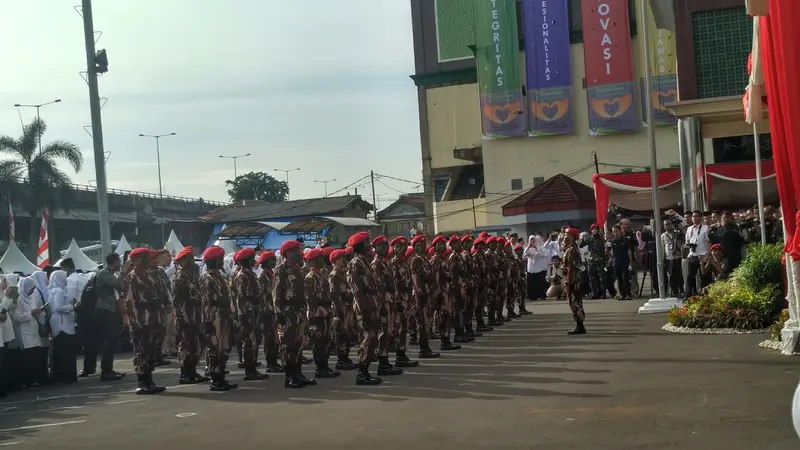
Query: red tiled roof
{"x":559,"y":193}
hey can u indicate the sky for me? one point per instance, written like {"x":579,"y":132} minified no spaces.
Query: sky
{"x":312,"y":84}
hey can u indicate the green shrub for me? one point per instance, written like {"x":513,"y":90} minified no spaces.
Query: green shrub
{"x":761,"y":268}
{"x":777,"y":326}
{"x":728,"y":304}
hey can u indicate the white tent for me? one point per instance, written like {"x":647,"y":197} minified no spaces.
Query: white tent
{"x":229,"y":245}
{"x":173,"y":244}
{"x":15,"y":261}
{"x":122,"y":246}
{"x":82,"y":262}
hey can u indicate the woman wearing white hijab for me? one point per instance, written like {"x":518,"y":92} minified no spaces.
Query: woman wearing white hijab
{"x":537,"y":256}
{"x":29,"y":309}
{"x":62,"y":324}
{"x":40,"y":277}
{"x":13,"y":356}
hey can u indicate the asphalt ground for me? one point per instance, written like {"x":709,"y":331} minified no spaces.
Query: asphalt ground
{"x":625,"y":385}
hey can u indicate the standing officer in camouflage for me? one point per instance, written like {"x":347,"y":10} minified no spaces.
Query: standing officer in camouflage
{"x":320,"y":312}
{"x":291,"y":312}
{"x":188,"y":316}
{"x":443,"y":304}
{"x":521,"y":278}
{"x":597,"y":261}
{"x":472,"y":280}
{"x":493,"y":282}
{"x":458,"y":288}
{"x":364,"y":287}
{"x":403,"y":299}
{"x":269,"y":328}
{"x":218,"y":317}
{"x":159,"y":259}
{"x":143,"y":312}
{"x":571,"y":265}
{"x":386,"y":293}
{"x":342,"y":299}
{"x":422,"y":278}
{"x":248,"y":299}
{"x":483,"y":279}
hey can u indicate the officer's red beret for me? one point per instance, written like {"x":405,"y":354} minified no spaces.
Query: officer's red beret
{"x":243,"y":254}
{"x":478,"y":241}
{"x":418,"y":238}
{"x":431,"y":250}
{"x":399,"y":240}
{"x":379,"y":240}
{"x":185,"y":251}
{"x":213,"y":252}
{"x":490,"y":239}
{"x":438,"y":239}
{"x":409,"y":251}
{"x":358,"y":238}
{"x":518,"y":247}
{"x":349,"y":251}
{"x":265,"y":256}
{"x":326,"y":251}
{"x":575,"y":233}
{"x":314,"y":253}
{"x":336,"y":254}
{"x":139,"y":253}
{"x":454,"y":238}
{"x":288,"y":246}
{"x":466,"y":238}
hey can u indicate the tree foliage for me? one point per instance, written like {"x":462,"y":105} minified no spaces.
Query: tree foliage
{"x":257,"y":186}
{"x":33,"y":178}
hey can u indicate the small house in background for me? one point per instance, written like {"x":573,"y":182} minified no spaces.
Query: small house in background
{"x":407,"y":213}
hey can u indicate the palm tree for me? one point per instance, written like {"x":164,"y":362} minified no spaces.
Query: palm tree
{"x":33,"y":177}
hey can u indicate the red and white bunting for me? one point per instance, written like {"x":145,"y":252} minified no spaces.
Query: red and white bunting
{"x":43,"y":254}
{"x":12,"y":228}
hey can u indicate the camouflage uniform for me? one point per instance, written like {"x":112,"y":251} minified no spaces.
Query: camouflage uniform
{"x":402,"y":305}
{"x":386,"y":291}
{"x":482,"y":290}
{"x":457,"y":291}
{"x":596,"y":264}
{"x":423,"y":282}
{"x":571,"y":263}
{"x":164,"y":287}
{"x":470,"y":277}
{"x":345,"y":328}
{"x":502,"y":293}
{"x":291,"y":310}
{"x":442,"y":296}
{"x":189,"y":319}
{"x":143,"y":305}
{"x":492,"y":286}
{"x":247,"y":299}
{"x":365,"y":292}
{"x":218,"y":320}
{"x":269,"y":327}
{"x":317,"y":291}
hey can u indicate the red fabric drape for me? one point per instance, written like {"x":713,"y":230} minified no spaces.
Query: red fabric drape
{"x":779,"y":37}
{"x":641,"y":180}
{"x":601,"y":195}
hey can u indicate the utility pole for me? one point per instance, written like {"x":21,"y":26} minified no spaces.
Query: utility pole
{"x":97,"y":127}
{"x":596,"y":163}
{"x":374,"y":200}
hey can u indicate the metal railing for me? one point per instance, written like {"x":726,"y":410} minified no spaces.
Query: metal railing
{"x":89,"y":188}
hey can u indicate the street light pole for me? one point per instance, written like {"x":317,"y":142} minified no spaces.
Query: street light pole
{"x":472,"y":197}
{"x":325,"y":182}
{"x":158,"y":137}
{"x":38,"y":116}
{"x":287,"y":172}
{"x":234,"y":158}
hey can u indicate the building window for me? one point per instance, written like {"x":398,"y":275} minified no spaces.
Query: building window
{"x":516,"y":184}
{"x":440,"y":183}
{"x":723,"y":40}
{"x":736,"y":149}
{"x":537,"y":181}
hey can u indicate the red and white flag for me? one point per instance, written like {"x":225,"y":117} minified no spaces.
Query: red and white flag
{"x":11,"y":227}
{"x":43,"y":254}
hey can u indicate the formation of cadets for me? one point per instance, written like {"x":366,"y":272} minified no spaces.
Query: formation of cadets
{"x":377,"y":295}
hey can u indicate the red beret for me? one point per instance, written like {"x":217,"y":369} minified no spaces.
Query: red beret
{"x":438,"y":239}
{"x":265,"y":256}
{"x":506,"y":243}
{"x":358,"y":238}
{"x":326,"y":251}
{"x":379,"y":240}
{"x":349,"y":251}
{"x":139,"y":253}
{"x":336,"y":254}
{"x":409,"y":251}
{"x":594,"y":225}
{"x":312,"y":254}
{"x":398,"y":241}
{"x":289,"y":245}
{"x":480,"y":240}
{"x":431,"y":250}
{"x":213,"y":252}
{"x":716,"y":247}
{"x":454,"y":238}
{"x":243,"y":254}
{"x":185,"y":251}
{"x":483,"y":234}
{"x":417,"y":238}
{"x":518,"y":247}
{"x":490,"y":239}
{"x":155,"y":253}
{"x":466,"y":238}
{"x":499,"y":239}
{"x":575,"y":233}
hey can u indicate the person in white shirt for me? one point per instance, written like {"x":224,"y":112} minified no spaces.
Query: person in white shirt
{"x":34,"y":356}
{"x":698,"y":244}
{"x":6,"y":336}
{"x":62,"y":324}
{"x":537,"y":258}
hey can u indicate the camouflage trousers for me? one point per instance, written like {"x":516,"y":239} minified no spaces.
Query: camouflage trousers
{"x":269,"y":335}
{"x":219,"y":339}
{"x":292,"y":334}
{"x":345,"y":330}
{"x":370,"y":327}
{"x":574,"y":295}
{"x":596,"y":277}
{"x":444,"y":313}
{"x":481,"y":303}
{"x":492,"y":296}
{"x":145,"y":346}
{"x":250,"y":337}
{"x":321,"y":328}
{"x":424,"y":316}
{"x":190,"y":345}
{"x":387,"y":326}
{"x":470,"y":304}
{"x":459,"y":299}
{"x":511,"y":296}
{"x":500,"y":298}
{"x":403,"y":313}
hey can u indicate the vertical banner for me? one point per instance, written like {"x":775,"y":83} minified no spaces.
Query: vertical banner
{"x":609,"y":66}
{"x":547,"y":65}
{"x":497,"y":54}
{"x":663,"y":69}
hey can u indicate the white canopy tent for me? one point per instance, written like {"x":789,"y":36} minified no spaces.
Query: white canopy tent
{"x":15,"y":261}
{"x":173,"y":244}
{"x":79,"y":258}
{"x":122,"y":246}
{"x":229,"y":245}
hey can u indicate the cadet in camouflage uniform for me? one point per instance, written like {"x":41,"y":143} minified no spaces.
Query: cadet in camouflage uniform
{"x":248,"y":300}
{"x":482,"y":280}
{"x":458,"y":288}
{"x":402,"y":299}
{"x":342,"y":299}
{"x":364,"y":287}
{"x":422,"y":281}
{"x":512,"y":278}
{"x":443,"y":294}
{"x":472,"y":280}
{"x":571,"y":264}
{"x":522,"y":272}
{"x":143,"y":313}
{"x":269,"y":327}
{"x":291,"y":311}
{"x":386,"y":293}
{"x":218,"y":317}
{"x":597,"y":261}
{"x":158,"y":259}
{"x":320,"y":312}
{"x":493,"y":280}
{"x":188,"y":316}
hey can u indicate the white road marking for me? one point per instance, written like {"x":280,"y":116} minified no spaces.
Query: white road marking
{"x":182,"y":415}
{"x":44,"y":425}
{"x":122,"y":402}
{"x":5,"y":444}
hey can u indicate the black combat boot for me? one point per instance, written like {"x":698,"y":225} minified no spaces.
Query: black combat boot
{"x":386,"y":368}
{"x":251,"y":374}
{"x":471,"y":332}
{"x":199,"y":378}
{"x":291,"y":380}
{"x":462,"y":336}
{"x":273,"y":366}
{"x":324,"y":370}
{"x":218,"y":383}
{"x":298,"y":373}
{"x":427,"y":353}
{"x":344,"y":363}
{"x":158,"y":389}
{"x":143,"y":387}
{"x":447,"y":345}
{"x":512,"y":314}
{"x":402,"y":360}
{"x":579,"y":329}
{"x":364,"y":378}
{"x":483,"y":328}
{"x":523,"y":311}
{"x":187,"y":377}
